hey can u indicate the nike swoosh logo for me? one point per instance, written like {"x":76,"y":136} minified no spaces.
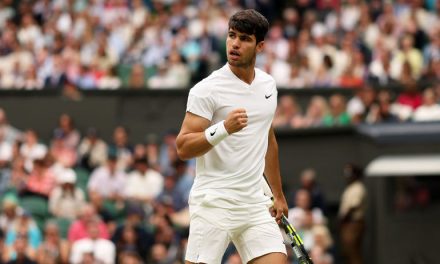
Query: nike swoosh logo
{"x":213,"y":133}
{"x":268,"y":96}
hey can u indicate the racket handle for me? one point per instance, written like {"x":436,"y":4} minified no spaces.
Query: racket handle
{"x":304,"y":260}
{"x":300,"y":256}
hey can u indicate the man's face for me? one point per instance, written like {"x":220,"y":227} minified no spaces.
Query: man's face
{"x":241,"y":48}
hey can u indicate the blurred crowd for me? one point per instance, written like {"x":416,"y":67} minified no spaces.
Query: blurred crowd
{"x":366,"y":106}
{"x":108,"y":44}
{"x":80,"y":199}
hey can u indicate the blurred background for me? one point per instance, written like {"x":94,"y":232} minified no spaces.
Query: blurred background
{"x":93,"y":92}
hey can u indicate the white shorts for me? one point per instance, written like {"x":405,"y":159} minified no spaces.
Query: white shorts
{"x":253,"y":231}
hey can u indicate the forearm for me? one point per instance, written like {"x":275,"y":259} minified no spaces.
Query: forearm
{"x":272,"y":168}
{"x":192,"y":145}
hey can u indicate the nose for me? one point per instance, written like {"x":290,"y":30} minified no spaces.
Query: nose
{"x":236,"y":43}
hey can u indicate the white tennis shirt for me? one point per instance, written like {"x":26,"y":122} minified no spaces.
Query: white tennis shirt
{"x":230,"y":174}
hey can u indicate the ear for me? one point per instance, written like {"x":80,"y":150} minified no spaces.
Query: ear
{"x":260,"y":46}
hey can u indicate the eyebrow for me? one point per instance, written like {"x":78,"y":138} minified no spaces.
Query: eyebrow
{"x":240,"y":34}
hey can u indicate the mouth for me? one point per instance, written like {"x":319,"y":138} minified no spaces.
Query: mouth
{"x":234,"y":55}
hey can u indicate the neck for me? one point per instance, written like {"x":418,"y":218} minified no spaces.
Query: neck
{"x":244,"y":73}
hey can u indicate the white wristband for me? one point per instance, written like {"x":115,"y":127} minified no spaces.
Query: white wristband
{"x":216,"y":133}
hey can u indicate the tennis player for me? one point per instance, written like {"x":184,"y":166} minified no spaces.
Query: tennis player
{"x":227,"y":126}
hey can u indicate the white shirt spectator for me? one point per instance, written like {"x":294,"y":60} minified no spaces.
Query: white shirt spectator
{"x":427,"y":113}
{"x":280,"y":71}
{"x":103,"y":250}
{"x":147,"y":186}
{"x":29,"y":34}
{"x":5,"y":151}
{"x":355,"y":106}
{"x":106,"y":183}
{"x":297,"y":216}
{"x":31,"y":153}
{"x":66,"y":204}
{"x":97,"y":152}
{"x":350,"y":16}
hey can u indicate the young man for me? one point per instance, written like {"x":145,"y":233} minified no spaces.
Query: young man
{"x":227,"y":126}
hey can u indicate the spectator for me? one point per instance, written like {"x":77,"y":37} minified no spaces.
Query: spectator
{"x":92,"y":150}
{"x":31,"y":80}
{"x":143,"y":184}
{"x":69,"y":133}
{"x":288,"y":113}
{"x":20,"y":252}
{"x":410,"y":96}
{"x":296,"y":78}
{"x":66,"y":200}
{"x":56,"y":77}
{"x":382,"y":111}
{"x":129,"y":240}
{"x":309,"y":183}
{"x":325,"y":73}
{"x":337,"y":115}
{"x":410,"y":54}
{"x":322,"y":238}
{"x":10,"y":212}
{"x":429,"y":110}
{"x":315,"y":113}
{"x":349,"y":79}
{"x":379,"y":70}
{"x":19,"y":175}
{"x":129,"y":257}
{"x":32,"y":149}
{"x":132,"y":233}
{"x":64,"y":156}
{"x":23,"y":227}
{"x":184,"y":181}
{"x":352,"y":214}
{"x":103,"y":250}
{"x":319,"y":256}
{"x":54,"y":249}
{"x":167,"y":152}
{"x":359,"y":105}
{"x":175,"y":74}
{"x":303,"y":208}
{"x":109,"y":80}
{"x":6,"y":153}
{"x":431,"y":51}
{"x":160,"y":254}
{"x":121,"y":148}
{"x":78,"y":229}
{"x":41,"y":180}
{"x":107,"y":181}
{"x":137,"y":77}
{"x":85,"y":79}
{"x":9,"y":132}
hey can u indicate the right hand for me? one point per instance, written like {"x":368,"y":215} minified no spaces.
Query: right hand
{"x":236,"y":120}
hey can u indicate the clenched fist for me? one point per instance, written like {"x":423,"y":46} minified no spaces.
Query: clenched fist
{"x":236,"y":120}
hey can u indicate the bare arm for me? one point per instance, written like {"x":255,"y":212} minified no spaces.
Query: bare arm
{"x":273,"y":176}
{"x":191,"y":141}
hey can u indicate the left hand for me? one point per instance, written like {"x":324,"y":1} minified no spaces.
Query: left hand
{"x":279,"y":208}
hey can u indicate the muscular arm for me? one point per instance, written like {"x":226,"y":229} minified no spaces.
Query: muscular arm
{"x":191,"y":141}
{"x":273,"y":176}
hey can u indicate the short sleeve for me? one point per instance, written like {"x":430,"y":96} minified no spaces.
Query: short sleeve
{"x":201,"y":102}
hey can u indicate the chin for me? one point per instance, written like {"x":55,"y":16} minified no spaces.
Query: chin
{"x":237,"y":63}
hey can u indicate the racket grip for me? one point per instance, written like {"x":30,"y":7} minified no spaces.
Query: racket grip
{"x":304,"y":260}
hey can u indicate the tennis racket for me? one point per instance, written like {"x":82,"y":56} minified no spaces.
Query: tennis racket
{"x":295,"y":240}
